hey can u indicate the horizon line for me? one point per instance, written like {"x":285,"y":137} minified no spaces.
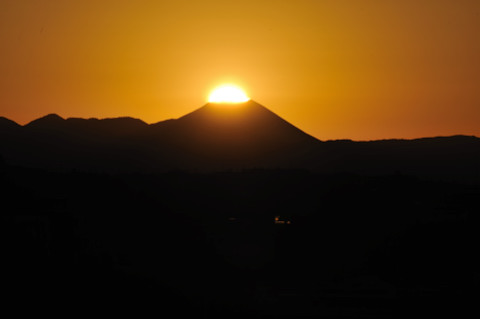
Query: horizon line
{"x":173,"y":119}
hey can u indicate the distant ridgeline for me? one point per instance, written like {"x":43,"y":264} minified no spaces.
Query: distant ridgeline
{"x":216,"y":137}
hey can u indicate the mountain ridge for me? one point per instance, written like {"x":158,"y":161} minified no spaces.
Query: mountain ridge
{"x":4,"y":121}
{"x":219,"y":137}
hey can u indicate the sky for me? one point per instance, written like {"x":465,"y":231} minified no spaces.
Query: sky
{"x":356,"y":69}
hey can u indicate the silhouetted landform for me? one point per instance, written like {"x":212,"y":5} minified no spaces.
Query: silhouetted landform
{"x":219,"y":137}
{"x":226,"y":213}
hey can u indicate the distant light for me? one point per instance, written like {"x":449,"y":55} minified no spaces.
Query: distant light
{"x":281,"y":221}
{"x":228,"y":94}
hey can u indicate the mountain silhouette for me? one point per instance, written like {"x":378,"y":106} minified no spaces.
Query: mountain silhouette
{"x":237,"y":136}
{"x":114,"y":126}
{"x":219,"y":137}
{"x":138,"y":213}
{"x":7,"y":126}
{"x":213,"y":137}
{"x":50,"y":121}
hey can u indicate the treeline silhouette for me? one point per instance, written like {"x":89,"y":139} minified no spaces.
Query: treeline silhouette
{"x":252,"y":243}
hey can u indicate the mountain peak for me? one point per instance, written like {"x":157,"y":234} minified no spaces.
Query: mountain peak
{"x":227,"y":114}
{"x":125,"y":120}
{"x":237,"y":109}
{"x":240,"y":135}
{"x":241,"y":119}
{"x":47,"y":121}
{"x":52,"y":117}
{"x":4,"y":122}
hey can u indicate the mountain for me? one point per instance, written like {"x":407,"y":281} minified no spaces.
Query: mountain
{"x":219,"y":137}
{"x":452,"y":157}
{"x":237,"y":136}
{"x":7,"y":126}
{"x":115,"y":126}
{"x":50,"y":121}
{"x":213,"y":137}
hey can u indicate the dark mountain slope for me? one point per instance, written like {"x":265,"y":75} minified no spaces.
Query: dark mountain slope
{"x":239,"y":136}
{"x":214,"y":137}
{"x":454,"y":157}
{"x":6,"y":123}
{"x":219,"y":137}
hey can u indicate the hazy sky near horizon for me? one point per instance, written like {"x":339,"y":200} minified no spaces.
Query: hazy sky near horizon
{"x":353,"y":69}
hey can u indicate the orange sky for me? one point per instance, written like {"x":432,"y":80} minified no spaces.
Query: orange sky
{"x":337,"y":69}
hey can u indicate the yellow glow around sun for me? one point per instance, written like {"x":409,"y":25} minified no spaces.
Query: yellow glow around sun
{"x":228,"y":94}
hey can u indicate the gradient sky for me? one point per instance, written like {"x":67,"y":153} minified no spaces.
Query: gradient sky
{"x":336,"y":69}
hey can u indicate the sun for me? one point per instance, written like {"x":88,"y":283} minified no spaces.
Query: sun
{"x":228,"y":93}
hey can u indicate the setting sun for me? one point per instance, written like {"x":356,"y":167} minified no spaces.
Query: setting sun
{"x":228,"y":94}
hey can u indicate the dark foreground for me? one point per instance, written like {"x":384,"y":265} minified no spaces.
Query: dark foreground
{"x":279,"y":244}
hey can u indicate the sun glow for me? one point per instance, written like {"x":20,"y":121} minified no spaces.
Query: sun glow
{"x":228,"y":94}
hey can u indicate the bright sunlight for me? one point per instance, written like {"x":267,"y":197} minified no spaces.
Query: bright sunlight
{"x":228,"y":94}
